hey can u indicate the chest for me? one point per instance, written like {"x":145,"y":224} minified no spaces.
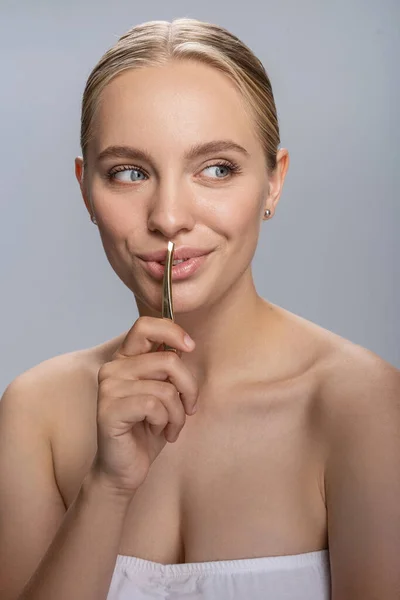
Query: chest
{"x":243,"y":480}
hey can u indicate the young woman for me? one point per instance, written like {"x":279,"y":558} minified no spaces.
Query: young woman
{"x":285,"y":480}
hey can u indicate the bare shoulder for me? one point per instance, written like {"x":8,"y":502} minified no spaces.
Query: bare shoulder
{"x":358,"y":403}
{"x":355,"y":379}
{"x":349,"y":380}
{"x":344,"y":369}
{"x":60,"y":382}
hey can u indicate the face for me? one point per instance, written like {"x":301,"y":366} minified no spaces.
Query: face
{"x":176,"y":180}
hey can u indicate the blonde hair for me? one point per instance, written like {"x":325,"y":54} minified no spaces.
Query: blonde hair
{"x":156,"y":42}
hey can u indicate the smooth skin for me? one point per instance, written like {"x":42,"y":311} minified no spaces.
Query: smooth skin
{"x":296,"y":430}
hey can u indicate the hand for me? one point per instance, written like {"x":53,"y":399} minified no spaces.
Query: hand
{"x":143,"y":399}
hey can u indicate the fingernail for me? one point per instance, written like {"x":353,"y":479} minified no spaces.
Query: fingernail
{"x":194,"y":409}
{"x":188,"y":341}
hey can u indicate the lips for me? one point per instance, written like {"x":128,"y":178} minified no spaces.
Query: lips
{"x":179,"y":272}
{"x":181,"y":252}
{"x":162,"y":262}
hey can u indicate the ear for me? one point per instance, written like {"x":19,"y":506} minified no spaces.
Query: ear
{"x":277,"y":178}
{"x":79,"y":174}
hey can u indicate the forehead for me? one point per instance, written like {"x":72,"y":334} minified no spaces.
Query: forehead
{"x":174,"y":105}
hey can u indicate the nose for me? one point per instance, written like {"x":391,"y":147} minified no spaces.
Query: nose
{"x":172,"y":210}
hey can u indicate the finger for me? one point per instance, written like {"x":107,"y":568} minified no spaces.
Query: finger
{"x":166,"y":392}
{"x":147,"y":331}
{"x":160,"y":366}
{"x":130,"y":410}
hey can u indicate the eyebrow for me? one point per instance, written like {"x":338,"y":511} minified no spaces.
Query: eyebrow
{"x":195,"y":151}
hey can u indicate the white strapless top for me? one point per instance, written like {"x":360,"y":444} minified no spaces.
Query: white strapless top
{"x":292,"y":577}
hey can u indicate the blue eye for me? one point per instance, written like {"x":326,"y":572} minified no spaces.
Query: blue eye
{"x":220,"y":169}
{"x":127,"y":174}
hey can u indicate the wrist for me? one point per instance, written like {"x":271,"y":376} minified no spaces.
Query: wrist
{"x":98,"y":485}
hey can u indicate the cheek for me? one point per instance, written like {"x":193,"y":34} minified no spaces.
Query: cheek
{"x":118,"y":212}
{"x":241,"y":214}
{"x":243,"y":228}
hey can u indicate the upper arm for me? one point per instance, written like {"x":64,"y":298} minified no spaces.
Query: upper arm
{"x":362,"y":481}
{"x":31,"y":507}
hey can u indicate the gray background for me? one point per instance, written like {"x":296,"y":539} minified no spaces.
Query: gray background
{"x":329,"y":255}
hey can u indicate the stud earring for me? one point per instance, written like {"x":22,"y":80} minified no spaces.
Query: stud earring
{"x":267,"y":213}
{"x":93,"y":219}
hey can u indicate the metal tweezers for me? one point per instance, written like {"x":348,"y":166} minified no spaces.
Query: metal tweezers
{"x":167,"y":307}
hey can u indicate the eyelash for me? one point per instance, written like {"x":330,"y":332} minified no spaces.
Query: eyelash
{"x":234,"y":168}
